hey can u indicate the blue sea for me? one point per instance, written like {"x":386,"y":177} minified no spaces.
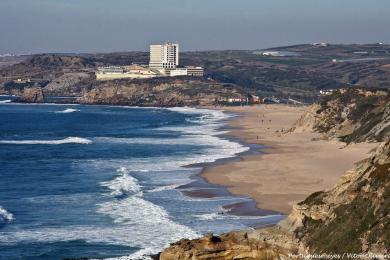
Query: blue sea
{"x":108,"y":182}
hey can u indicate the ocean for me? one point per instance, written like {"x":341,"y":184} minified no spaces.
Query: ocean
{"x":109,"y":182}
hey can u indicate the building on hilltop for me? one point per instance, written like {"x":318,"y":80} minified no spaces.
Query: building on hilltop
{"x":164,"y":56}
{"x":163,"y":62}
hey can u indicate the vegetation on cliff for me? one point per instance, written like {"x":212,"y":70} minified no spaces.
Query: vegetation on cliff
{"x":355,"y":214}
{"x":351,"y":114}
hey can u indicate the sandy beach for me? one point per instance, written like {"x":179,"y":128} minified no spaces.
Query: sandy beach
{"x":293,"y":165}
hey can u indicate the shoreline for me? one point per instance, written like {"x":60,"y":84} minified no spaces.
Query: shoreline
{"x":290,"y":165}
{"x":201,"y":188}
{"x":267,"y":147}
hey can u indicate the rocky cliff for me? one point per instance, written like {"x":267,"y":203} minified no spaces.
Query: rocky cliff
{"x":352,"y":115}
{"x":160,"y":92}
{"x":352,"y":217}
{"x":31,"y":95}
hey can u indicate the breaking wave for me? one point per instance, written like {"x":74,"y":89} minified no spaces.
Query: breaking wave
{"x":122,"y":185}
{"x":149,"y":223}
{"x":68,"y":140}
{"x":68,"y":110}
{"x":5,"y":216}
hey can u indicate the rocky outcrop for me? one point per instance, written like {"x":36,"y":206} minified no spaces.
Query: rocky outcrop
{"x":234,"y":245}
{"x":352,"y":115}
{"x":31,"y":95}
{"x":68,"y":84}
{"x":352,"y":217}
{"x":160,"y":92}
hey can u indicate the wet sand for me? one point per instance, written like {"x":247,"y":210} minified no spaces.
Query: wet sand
{"x":294,"y":164}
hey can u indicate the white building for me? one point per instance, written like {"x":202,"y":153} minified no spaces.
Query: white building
{"x":111,"y":70}
{"x":178,"y":72}
{"x":195,"y":71}
{"x":130,"y":72}
{"x":164,"y":56}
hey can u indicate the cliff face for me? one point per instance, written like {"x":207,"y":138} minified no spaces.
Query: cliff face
{"x":269,"y":245}
{"x":352,"y":115}
{"x":167,"y":92}
{"x":31,"y":95}
{"x":352,"y":217}
{"x":68,"y":84}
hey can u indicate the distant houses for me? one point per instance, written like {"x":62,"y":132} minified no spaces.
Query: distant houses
{"x":320,"y":44}
{"x":325,"y":92}
{"x":253,"y":100}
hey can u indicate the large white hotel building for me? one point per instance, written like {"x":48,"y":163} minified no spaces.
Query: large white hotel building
{"x":164,"y":56}
{"x":163,"y":62}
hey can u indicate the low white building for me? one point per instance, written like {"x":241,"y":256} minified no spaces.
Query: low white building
{"x":195,"y":71}
{"x":320,"y":44}
{"x":131,"y":72}
{"x":178,"y":72}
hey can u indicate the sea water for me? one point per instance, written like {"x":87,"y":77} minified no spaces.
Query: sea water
{"x":104,"y":182}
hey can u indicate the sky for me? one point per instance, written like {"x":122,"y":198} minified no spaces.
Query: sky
{"x":38,"y":26}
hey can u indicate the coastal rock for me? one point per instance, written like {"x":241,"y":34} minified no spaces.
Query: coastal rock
{"x":68,"y":84}
{"x":31,"y":95}
{"x":160,"y":92}
{"x":234,"y":245}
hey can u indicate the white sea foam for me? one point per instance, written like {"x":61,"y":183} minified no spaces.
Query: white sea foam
{"x":209,"y":216}
{"x":167,"y":187}
{"x":216,"y":114}
{"x":68,"y":110}
{"x":220,"y":215}
{"x":124,"y":184}
{"x":5,"y":101}
{"x":68,"y":140}
{"x":5,"y":216}
{"x":139,"y":223}
{"x":214,"y":148}
{"x":150,"y":226}
{"x":143,"y":254}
